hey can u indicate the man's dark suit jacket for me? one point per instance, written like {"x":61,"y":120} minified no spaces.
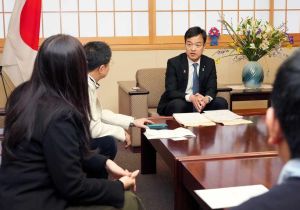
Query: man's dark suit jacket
{"x":177,"y":78}
{"x":285,"y":196}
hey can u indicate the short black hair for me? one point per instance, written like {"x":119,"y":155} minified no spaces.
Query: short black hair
{"x":286,"y":101}
{"x":97,"y":53}
{"x":195,"y":31}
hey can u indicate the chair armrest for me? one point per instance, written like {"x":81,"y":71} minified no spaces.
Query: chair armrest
{"x":223,"y":91}
{"x":223,"y":88}
{"x":129,"y":88}
{"x":2,"y":112}
{"x":133,"y":103}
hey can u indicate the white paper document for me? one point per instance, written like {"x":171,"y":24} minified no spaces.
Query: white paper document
{"x":177,"y":133}
{"x":230,"y":196}
{"x":220,"y":116}
{"x":193,"y":119}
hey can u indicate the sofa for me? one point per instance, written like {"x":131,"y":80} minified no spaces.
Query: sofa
{"x":140,"y":98}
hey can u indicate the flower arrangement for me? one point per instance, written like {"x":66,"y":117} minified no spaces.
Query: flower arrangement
{"x":214,"y":32}
{"x":253,"y":39}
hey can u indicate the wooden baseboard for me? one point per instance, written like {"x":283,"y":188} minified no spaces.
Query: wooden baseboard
{"x":247,"y":112}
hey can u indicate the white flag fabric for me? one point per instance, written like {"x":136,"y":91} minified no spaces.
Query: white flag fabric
{"x":21,"y":43}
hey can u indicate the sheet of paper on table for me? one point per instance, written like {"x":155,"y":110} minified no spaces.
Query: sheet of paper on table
{"x":229,"y":196}
{"x":178,"y":134}
{"x":193,"y":119}
{"x":226,"y":117}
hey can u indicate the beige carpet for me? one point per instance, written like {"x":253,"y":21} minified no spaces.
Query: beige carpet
{"x":155,"y":190}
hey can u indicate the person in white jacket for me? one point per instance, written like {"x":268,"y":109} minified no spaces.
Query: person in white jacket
{"x":105,"y":126}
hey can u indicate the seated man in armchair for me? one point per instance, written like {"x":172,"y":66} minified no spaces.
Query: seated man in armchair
{"x":191,"y":80}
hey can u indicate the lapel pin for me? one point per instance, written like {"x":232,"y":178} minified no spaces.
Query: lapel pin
{"x":184,"y":71}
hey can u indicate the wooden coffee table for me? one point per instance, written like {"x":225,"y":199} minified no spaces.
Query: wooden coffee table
{"x":211,"y":143}
{"x":210,"y":174}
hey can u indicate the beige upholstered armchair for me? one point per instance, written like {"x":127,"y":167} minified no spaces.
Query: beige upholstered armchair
{"x":142,"y":102}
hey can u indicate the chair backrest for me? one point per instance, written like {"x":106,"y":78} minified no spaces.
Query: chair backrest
{"x":153,"y":79}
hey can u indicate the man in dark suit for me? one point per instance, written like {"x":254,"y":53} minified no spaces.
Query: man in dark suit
{"x":191,"y":80}
{"x":283,"y":122}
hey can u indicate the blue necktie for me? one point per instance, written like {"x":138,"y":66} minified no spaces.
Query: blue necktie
{"x":195,"y":79}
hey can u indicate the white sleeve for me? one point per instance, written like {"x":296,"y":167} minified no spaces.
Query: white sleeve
{"x":116,"y":119}
{"x":100,"y":129}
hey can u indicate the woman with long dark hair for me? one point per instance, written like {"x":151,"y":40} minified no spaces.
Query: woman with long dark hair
{"x":46,"y":161}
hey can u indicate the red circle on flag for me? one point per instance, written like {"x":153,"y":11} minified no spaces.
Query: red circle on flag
{"x":30,"y":23}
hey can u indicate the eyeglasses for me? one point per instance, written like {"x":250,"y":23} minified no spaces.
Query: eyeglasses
{"x":190,"y":45}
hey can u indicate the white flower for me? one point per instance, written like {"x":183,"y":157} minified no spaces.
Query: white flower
{"x":252,"y":46}
{"x":258,"y":36}
{"x":264,"y":45}
{"x":269,"y":28}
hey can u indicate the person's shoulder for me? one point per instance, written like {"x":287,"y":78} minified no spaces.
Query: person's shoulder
{"x":178,"y":58}
{"x":18,"y":92}
{"x":57,"y":108}
{"x":206,"y":58}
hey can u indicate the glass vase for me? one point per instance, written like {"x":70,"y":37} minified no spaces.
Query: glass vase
{"x":214,"y":40}
{"x":252,"y":75}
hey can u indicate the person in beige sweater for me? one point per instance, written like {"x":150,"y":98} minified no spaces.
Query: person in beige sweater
{"x":105,"y":126}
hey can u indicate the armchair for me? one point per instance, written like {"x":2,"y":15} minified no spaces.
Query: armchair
{"x":142,"y":102}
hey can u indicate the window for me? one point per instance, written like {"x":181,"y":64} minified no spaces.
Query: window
{"x":151,"y":24}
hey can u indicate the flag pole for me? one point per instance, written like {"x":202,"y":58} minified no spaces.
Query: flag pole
{"x":3,"y":82}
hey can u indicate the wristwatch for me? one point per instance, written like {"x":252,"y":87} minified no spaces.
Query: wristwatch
{"x":209,"y":99}
{"x":131,"y":125}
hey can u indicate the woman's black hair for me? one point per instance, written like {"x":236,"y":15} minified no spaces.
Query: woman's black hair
{"x":59,"y":74}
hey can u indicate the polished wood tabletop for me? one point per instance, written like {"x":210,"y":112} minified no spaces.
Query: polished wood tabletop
{"x":213,"y":142}
{"x":212,"y":174}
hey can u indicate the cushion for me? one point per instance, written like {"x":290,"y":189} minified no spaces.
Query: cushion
{"x":152,"y":79}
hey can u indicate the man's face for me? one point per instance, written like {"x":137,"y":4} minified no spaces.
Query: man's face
{"x":194,"y":47}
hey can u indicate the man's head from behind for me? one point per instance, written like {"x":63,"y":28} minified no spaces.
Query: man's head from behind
{"x":98,"y":56}
{"x":194,"y":39}
{"x":283,"y":119}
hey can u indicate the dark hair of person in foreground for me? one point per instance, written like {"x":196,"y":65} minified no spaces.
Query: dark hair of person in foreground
{"x":60,"y":64}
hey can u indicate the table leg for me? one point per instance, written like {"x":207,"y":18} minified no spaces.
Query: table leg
{"x":183,"y":199}
{"x":148,"y":156}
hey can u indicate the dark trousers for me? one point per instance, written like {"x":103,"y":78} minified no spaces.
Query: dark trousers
{"x":106,"y":146}
{"x":182,"y":106}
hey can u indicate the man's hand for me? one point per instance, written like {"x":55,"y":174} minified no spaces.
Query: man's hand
{"x":198,"y":101}
{"x":127,"y":140}
{"x":140,"y":123}
{"x":206,"y":99}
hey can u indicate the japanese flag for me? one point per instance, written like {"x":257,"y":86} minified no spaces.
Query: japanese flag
{"x":21,"y":43}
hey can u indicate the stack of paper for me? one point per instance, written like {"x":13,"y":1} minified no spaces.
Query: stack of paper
{"x":168,"y":134}
{"x":230,"y":196}
{"x":226,"y":117}
{"x":192,"y":119}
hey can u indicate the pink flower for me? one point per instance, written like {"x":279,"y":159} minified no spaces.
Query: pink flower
{"x":214,"y":32}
